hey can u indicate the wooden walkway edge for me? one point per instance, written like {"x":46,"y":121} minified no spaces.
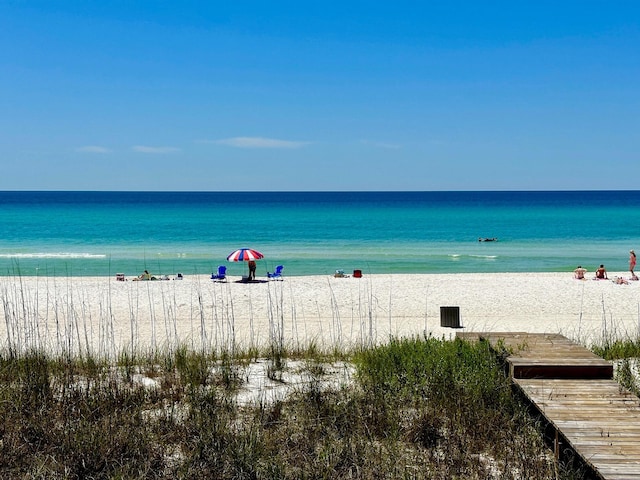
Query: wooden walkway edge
{"x":574,"y":390}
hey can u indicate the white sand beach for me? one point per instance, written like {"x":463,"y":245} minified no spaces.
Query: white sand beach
{"x":73,"y":314}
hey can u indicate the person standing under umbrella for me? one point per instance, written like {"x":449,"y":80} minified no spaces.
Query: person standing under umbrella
{"x":252,"y":270}
{"x":246,"y":255}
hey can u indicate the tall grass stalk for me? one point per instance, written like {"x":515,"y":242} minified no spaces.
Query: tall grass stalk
{"x":426,"y":311}
{"x":366,"y":309}
{"x":275,"y":313}
{"x":152,"y":316}
{"x":294,"y":323}
{"x":604,"y":319}
{"x":390,"y":309}
{"x":320,"y":325}
{"x":200,"y":308}
{"x":252,"y":343}
{"x":134,"y":331}
{"x":169,"y":316}
{"x":229,"y":340}
{"x":336,"y":327}
{"x":581,"y":309}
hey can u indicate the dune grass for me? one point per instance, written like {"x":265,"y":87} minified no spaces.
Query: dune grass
{"x":625,"y":354}
{"x":415,"y":408}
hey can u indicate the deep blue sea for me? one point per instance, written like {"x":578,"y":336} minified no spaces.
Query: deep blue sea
{"x":103,"y":233}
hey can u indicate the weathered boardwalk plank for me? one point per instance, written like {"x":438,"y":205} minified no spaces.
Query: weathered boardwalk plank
{"x":574,"y":390}
{"x":546,"y":355}
{"x":599,"y":420}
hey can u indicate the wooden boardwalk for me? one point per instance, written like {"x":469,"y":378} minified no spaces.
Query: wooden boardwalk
{"x":573,"y":389}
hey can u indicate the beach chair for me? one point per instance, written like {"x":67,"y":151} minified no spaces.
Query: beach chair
{"x":277,"y":275}
{"x":221,"y":275}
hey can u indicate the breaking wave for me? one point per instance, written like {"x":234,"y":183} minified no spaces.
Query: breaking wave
{"x":63,"y":255}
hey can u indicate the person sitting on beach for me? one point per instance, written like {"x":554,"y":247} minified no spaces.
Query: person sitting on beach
{"x":601,"y":273}
{"x":144,"y":276}
{"x":579,"y":272}
{"x":620,"y":281}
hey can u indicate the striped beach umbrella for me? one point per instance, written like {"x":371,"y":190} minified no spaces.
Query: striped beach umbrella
{"x":244,"y":254}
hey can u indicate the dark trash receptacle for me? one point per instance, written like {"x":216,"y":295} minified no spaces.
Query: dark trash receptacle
{"x":450,"y":317}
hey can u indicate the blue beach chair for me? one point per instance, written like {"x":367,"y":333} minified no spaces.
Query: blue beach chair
{"x":221,"y":275}
{"x":277,"y":275}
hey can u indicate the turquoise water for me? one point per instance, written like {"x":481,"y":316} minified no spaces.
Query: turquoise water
{"x":101,"y":233}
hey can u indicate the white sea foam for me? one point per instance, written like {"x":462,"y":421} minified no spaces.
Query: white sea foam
{"x":53,"y":255}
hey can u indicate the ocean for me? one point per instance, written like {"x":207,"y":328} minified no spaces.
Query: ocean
{"x":57,"y":233}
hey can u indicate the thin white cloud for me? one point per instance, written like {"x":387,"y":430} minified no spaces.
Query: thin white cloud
{"x":259,"y":142}
{"x":93,"y":149}
{"x":155,"y":150}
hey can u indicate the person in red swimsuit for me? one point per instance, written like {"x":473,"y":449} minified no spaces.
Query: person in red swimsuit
{"x":632,"y":264}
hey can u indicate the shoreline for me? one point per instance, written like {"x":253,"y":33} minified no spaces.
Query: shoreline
{"x":106,"y":316}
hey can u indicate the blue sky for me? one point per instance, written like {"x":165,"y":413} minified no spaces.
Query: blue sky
{"x":457,"y":95}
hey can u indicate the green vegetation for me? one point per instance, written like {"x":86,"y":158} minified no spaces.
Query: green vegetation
{"x":615,"y":348}
{"x":625,"y":353}
{"x":417,"y":408}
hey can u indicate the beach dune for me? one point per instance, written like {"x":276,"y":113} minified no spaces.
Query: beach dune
{"x":102,"y":316}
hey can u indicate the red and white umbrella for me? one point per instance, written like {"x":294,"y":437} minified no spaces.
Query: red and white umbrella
{"x":244,"y":254}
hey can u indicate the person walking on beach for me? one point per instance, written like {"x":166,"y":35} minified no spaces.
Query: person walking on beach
{"x":632,"y":264}
{"x":252,"y":270}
